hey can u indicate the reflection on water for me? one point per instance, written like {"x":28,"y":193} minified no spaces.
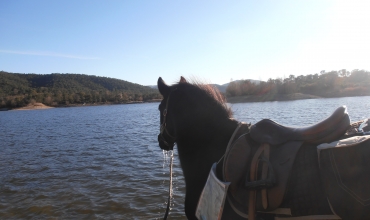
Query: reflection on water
{"x":104,"y":162}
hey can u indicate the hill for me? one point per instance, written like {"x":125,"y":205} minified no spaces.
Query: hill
{"x":222,"y":87}
{"x":340,"y":83}
{"x":19,"y":90}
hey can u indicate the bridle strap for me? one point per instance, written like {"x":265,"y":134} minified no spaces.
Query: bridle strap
{"x":164,"y":124}
{"x":164,"y":129}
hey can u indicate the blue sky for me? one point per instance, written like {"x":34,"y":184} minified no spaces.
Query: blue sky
{"x":215,"y":41}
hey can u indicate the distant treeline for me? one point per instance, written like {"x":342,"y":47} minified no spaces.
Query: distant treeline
{"x":326,"y":84}
{"x":18,"y":90}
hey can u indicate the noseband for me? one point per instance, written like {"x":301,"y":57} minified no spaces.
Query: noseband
{"x":164,"y":130}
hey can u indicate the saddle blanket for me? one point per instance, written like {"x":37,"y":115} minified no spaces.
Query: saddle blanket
{"x":212,"y":199}
{"x":345,"y":171}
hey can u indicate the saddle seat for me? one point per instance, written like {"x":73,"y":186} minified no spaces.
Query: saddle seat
{"x":259,"y":158}
{"x":268,"y":131}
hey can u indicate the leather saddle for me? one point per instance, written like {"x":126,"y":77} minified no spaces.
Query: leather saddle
{"x":259,"y":158}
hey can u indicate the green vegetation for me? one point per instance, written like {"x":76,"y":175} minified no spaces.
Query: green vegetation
{"x":326,"y":84}
{"x":18,"y":90}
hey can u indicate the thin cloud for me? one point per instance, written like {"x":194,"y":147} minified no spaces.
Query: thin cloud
{"x":49,"y":54}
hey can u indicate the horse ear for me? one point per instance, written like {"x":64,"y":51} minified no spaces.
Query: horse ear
{"x":183,"y":80}
{"x":163,"y":88}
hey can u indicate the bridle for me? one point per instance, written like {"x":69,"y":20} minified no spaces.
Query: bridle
{"x":164,"y":130}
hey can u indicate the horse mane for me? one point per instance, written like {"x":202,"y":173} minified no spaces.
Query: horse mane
{"x":210,"y":91}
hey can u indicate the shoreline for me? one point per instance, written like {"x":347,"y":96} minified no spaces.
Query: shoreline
{"x":282,"y":97}
{"x":231,"y":100}
{"x":40,"y":106}
{"x":271,"y":98}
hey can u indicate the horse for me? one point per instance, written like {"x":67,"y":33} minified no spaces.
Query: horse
{"x":197,"y":118}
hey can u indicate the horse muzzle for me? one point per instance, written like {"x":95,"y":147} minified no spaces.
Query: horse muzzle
{"x":165,"y":145}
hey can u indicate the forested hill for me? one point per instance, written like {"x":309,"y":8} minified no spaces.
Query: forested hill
{"x":17,"y":90}
{"x":326,"y":84}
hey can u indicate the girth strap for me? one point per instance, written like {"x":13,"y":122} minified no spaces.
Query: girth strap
{"x":265,"y":150}
{"x":253,"y":177}
{"x":266,"y":155}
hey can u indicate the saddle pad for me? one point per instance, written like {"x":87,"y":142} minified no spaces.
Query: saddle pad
{"x":345,"y":172}
{"x":212,"y":199}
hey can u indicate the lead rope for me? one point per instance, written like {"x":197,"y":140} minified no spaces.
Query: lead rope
{"x":169,"y":190}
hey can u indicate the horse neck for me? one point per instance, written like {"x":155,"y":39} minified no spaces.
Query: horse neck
{"x":197,"y":153}
{"x":209,"y":131}
{"x":200,"y":148}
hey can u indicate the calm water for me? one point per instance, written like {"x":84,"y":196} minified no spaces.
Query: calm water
{"x":104,"y":162}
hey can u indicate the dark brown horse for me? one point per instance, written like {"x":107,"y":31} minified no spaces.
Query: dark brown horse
{"x":196,"y":117}
{"x":206,"y":127}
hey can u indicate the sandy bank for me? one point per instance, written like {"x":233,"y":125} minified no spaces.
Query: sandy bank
{"x":270,"y":97}
{"x":36,"y":105}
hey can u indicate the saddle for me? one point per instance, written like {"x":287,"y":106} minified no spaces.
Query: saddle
{"x":259,"y":158}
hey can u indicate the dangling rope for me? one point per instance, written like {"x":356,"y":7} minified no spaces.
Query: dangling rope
{"x":169,"y":189}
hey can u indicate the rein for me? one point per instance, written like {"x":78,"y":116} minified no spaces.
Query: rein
{"x":169,"y":190}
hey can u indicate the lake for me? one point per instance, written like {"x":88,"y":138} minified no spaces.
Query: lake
{"x":103,"y":162}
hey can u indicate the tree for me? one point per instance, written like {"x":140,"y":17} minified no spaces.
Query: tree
{"x":359,"y":75}
{"x":233,"y":89}
{"x":48,"y":100}
{"x":344,"y":73}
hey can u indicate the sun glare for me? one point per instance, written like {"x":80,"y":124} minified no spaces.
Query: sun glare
{"x":346,"y":42}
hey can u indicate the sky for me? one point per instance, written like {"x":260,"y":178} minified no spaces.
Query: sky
{"x":215,"y":41}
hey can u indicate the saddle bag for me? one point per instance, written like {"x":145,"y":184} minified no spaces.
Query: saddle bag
{"x":345,"y":174}
{"x":212,"y":199}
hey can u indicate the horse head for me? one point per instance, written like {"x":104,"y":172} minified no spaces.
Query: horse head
{"x":188,"y":110}
{"x":167,"y":135}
